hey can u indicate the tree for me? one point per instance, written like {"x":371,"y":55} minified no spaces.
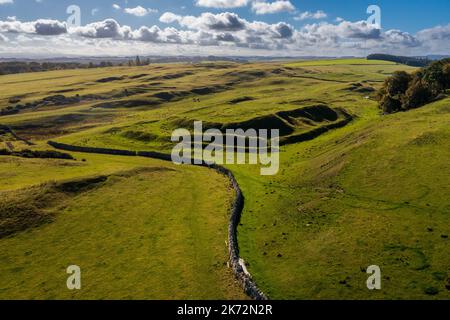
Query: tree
{"x":138,"y":61}
{"x":398,"y":83}
{"x":403,"y":91}
{"x":389,"y":104}
{"x":417,"y":95}
{"x":447,"y":75}
{"x":435,"y":78}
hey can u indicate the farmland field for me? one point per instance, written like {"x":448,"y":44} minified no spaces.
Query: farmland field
{"x":369,"y":189}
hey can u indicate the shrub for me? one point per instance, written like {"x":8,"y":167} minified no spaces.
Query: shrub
{"x":417,"y":95}
{"x":403,"y":91}
{"x":436,"y":76}
{"x":398,"y":83}
{"x":389,"y":104}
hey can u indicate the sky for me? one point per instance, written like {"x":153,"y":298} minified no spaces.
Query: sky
{"x":45,"y":28}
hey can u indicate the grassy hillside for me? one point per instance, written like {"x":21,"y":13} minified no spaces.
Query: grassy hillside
{"x":373,"y":191}
{"x":132,"y":235}
{"x":367,"y":194}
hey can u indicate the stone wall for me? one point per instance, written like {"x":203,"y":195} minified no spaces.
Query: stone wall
{"x":245,"y":280}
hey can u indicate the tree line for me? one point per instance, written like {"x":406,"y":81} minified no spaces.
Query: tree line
{"x":11,"y":67}
{"x":409,"y":61}
{"x":403,"y":91}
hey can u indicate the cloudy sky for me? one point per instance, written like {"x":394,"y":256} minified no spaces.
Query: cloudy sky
{"x":44,"y":28}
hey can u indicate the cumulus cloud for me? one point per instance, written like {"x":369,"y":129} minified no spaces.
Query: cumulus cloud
{"x":116,"y":6}
{"x":436,"y":33}
{"x":342,"y":31}
{"x":6,"y":2}
{"x":225,"y":21}
{"x":262,"y":7}
{"x":436,"y":39}
{"x":108,"y":28}
{"x":314,"y":15}
{"x":50,"y":27}
{"x":222,"y":4}
{"x":42,"y":27}
{"x":224,"y":30}
{"x":169,"y":17}
{"x":398,"y":37}
{"x":139,"y":11}
{"x":230,"y":28}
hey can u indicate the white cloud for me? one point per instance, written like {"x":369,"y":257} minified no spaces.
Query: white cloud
{"x":94,"y":11}
{"x":40,"y":27}
{"x":108,"y":28}
{"x":116,"y":6}
{"x":436,"y":33}
{"x":6,"y":2}
{"x":223,"y":33}
{"x":222,"y":4}
{"x":225,"y":21}
{"x":169,"y":17}
{"x":314,"y":16}
{"x":262,"y":7}
{"x":139,"y":11}
{"x":436,"y":40}
{"x":49,"y":27}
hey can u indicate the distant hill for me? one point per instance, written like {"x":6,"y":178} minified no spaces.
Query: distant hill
{"x":409,"y":61}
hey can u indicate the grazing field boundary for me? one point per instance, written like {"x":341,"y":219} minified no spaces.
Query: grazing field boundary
{"x":11,"y":131}
{"x":245,"y":279}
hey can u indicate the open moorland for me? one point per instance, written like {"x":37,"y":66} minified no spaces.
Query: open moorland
{"x":355,"y":187}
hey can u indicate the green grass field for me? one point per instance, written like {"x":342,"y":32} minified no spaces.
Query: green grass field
{"x":133,"y":234}
{"x":374,"y":192}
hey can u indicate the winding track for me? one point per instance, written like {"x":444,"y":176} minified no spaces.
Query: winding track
{"x":239,"y":270}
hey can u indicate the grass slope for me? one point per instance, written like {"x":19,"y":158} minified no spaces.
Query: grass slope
{"x":132,"y":235}
{"x":367,"y":194}
{"x":372,"y":192}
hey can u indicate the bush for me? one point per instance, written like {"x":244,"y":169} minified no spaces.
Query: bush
{"x":389,"y":104}
{"x":436,"y":76}
{"x":417,"y":95}
{"x":403,"y":91}
{"x":398,"y":83}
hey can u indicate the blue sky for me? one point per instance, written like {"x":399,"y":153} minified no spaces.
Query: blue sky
{"x":296,"y":27}
{"x":410,"y":16}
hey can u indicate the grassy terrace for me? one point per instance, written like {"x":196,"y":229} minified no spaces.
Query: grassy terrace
{"x":372,"y":192}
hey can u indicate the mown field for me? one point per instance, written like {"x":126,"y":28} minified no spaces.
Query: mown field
{"x":370,"y":191}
